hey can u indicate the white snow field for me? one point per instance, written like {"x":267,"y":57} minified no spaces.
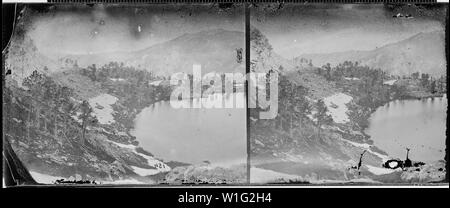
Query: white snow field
{"x":44,"y":178}
{"x":102,"y":108}
{"x":337,"y":107}
{"x":144,"y":171}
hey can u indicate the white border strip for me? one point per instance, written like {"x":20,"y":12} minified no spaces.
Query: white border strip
{"x":27,"y":1}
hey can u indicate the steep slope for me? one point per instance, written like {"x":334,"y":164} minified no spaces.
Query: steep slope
{"x":423,"y":52}
{"x":22,"y":58}
{"x":262,"y":56}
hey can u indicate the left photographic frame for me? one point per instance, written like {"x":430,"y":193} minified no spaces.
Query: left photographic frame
{"x":125,"y":94}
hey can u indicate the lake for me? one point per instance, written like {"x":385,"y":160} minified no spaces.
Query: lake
{"x":194,"y":135}
{"x":416,"y":124}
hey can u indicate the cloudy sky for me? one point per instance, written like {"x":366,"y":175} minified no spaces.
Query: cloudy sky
{"x":83,"y":29}
{"x":293,"y":31}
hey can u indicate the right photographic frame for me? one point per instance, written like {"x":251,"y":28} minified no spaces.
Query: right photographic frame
{"x":358,"y":94}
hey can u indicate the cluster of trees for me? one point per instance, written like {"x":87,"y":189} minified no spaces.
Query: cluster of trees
{"x":349,"y":69}
{"x":321,"y":116}
{"x":430,"y":83}
{"x":376,"y":77}
{"x":50,"y":99}
{"x":131,"y":85}
{"x":293,"y":106}
{"x":49,"y":105}
{"x":369,"y":91}
{"x":49,"y":92}
{"x":295,"y":110}
{"x":115,"y":70}
{"x":300,"y":61}
{"x":259,"y":41}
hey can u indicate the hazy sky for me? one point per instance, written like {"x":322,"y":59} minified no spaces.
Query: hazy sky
{"x":84,"y":29}
{"x":293,"y":31}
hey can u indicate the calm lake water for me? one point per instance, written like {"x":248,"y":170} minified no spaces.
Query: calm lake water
{"x":194,"y":135}
{"x":417,"y":124}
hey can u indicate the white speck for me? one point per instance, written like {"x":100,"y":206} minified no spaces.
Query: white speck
{"x":116,"y":80}
{"x":156,"y":83}
{"x":259,"y":143}
{"x":139,"y":28}
{"x":350,"y":78}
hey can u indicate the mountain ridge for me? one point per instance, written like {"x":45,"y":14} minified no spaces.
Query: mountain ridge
{"x":400,"y":58}
{"x":213,"y":49}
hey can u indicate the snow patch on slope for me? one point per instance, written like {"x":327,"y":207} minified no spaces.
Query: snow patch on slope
{"x":144,"y":171}
{"x":390,"y":82}
{"x":356,"y":180}
{"x":151,"y":161}
{"x":379,"y":171}
{"x":44,"y":178}
{"x":123,"y":181}
{"x":337,"y":107}
{"x":260,"y":175}
{"x":350,"y":78}
{"x":102,"y":108}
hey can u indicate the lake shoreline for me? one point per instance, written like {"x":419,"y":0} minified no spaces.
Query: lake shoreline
{"x":407,"y":98}
{"x":162,"y":116}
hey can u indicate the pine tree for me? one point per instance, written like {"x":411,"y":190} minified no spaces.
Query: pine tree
{"x":86,"y":118}
{"x":321,"y":116}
